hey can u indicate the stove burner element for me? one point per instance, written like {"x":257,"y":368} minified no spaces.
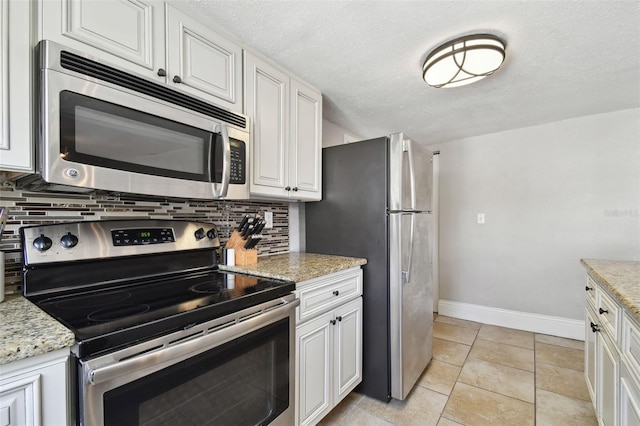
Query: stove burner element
{"x":92,"y":301}
{"x":208,"y":287}
{"x":122,"y":311}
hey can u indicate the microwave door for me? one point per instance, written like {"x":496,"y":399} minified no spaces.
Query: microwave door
{"x":220,"y":190}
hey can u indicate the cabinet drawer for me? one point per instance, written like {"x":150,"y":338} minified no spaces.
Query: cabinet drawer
{"x":608,"y":314}
{"x":590,"y":288}
{"x":325,"y":293}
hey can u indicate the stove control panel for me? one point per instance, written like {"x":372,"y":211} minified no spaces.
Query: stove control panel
{"x":73,"y":241}
{"x":142,"y":236}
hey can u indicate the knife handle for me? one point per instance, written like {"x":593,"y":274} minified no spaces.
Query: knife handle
{"x":244,"y":221}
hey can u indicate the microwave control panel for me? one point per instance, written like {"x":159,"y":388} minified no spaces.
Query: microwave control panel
{"x":238,"y":162}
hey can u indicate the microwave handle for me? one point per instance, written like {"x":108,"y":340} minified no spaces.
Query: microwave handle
{"x":220,"y":190}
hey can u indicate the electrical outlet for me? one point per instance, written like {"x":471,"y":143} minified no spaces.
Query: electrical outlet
{"x":268,"y":218}
{"x":481,"y":218}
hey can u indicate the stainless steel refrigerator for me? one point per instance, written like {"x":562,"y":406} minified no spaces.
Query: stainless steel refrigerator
{"x":377,"y":204}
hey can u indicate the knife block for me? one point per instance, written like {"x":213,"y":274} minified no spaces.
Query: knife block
{"x":243,"y":256}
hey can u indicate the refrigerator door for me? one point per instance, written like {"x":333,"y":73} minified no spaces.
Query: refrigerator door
{"x":410,"y":175}
{"x":411,"y":299}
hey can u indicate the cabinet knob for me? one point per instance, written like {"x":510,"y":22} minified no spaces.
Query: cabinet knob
{"x":333,"y":322}
{"x":177,"y":79}
{"x":287,"y":188}
{"x":587,"y":288}
{"x":162,"y":72}
{"x":603,"y":311}
{"x":339,"y":318}
{"x":594,"y":327}
{"x":295,"y":188}
{"x":336,"y":293}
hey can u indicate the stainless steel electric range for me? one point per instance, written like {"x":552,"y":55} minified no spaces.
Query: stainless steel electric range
{"x":162,"y":335}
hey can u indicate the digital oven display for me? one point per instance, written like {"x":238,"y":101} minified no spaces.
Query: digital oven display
{"x":141,"y":236}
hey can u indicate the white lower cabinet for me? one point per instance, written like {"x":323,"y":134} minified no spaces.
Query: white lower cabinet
{"x":612,"y":358}
{"x":329,"y":348}
{"x":35,"y":391}
{"x":629,"y":398}
{"x":607,"y":380}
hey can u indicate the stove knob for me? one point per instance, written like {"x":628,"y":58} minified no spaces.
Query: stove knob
{"x":212,"y":234}
{"x":199,"y":234}
{"x":69,"y":240}
{"x":42,"y":243}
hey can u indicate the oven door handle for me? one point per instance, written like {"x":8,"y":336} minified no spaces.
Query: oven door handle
{"x":166,"y":356}
{"x":219,"y":192}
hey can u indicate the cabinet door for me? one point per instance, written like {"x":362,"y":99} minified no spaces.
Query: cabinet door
{"x":606,"y":379}
{"x":267,"y":103}
{"x":126,"y":33}
{"x":306,"y":142}
{"x":629,"y":398}
{"x":201,"y":62}
{"x":20,"y":401}
{"x":348,"y":349}
{"x":314,"y":353}
{"x":16,"y":146}
{"x":590,"y":353}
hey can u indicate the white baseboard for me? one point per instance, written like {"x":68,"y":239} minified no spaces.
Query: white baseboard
{"x":545,"y":324}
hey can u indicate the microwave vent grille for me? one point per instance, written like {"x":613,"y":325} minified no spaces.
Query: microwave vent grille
{"x":112,"y":75}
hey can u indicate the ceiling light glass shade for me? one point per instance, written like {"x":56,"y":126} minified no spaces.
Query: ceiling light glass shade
{"x":463,"y":61}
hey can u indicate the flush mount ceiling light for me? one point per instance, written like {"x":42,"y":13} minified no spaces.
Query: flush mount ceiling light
{"x":463,"y":61}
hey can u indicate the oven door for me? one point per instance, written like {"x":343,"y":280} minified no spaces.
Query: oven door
{"x":97,"y":135}
{"x":235,"y":370}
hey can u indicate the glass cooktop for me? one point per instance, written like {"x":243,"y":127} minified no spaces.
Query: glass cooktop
{"x":115,"y":317}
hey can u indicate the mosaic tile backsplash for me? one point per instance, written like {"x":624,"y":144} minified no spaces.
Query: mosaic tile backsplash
{"x":34,"y":208}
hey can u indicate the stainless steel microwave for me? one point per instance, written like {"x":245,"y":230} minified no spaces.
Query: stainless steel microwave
{"x":100,"y":128}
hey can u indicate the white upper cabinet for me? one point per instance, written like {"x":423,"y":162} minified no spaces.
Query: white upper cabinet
{"x":306,"y":141}
{"x":135,"y":34}
{"x":287,"y":133}
{"x":200,"y":61}
{"x":126,"y":33}
{"x":16,"y":149}
{"x":267,"y":92}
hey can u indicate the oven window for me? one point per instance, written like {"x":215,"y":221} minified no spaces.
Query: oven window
{"x":103,"y":134}
{"x":244,"y":382}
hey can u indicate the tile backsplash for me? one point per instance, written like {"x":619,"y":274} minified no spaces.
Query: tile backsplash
{"x":33,"y":208}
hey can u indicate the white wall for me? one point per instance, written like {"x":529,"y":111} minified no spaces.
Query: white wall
{"x":551,"y":195}
{"x":333,"y":134}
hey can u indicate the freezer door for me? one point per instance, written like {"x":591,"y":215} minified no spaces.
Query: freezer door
{"x":411,"y":299}
{"x":410,"y":175}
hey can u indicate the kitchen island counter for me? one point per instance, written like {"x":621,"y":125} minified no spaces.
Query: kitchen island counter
{"x":297,"y":266}
{"x":27,"y":331}
{"x":620,"y":277}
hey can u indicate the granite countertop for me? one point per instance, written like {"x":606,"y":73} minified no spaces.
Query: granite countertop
{"x":27,"y":331}
{"x":621,"y":277}
{"x":296,"y":266}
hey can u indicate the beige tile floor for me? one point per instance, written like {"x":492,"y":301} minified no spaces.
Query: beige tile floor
{"x":485,"y":375}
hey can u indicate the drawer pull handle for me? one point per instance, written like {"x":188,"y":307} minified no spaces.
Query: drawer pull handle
{"x":339,"y":318}
{"x":333,"y":322}
{"x":603,"y":311}
{"x":336,"y":293}
{"x":587,"y":288}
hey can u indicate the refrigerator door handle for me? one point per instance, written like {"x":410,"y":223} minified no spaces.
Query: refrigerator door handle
{"x":406,"y":147}
{"x":406,"y":273}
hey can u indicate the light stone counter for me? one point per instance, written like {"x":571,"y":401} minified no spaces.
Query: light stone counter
{"x":621,"y":277}
{"x":26,"y":331}
{"x":296,"y":266}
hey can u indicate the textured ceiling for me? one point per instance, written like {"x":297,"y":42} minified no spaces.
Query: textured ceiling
{"x":564,"y":59}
